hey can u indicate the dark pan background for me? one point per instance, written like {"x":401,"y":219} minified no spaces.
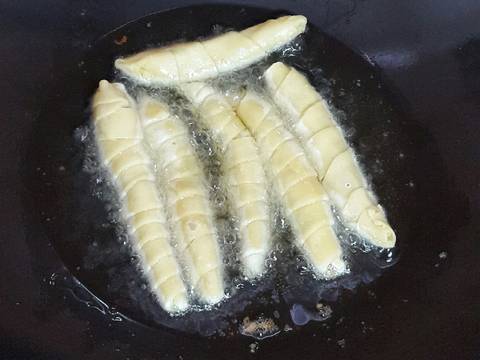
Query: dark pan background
{"x":429,"y":54}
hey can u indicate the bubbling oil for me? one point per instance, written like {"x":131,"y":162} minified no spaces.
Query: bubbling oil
{"x":289,"y":293}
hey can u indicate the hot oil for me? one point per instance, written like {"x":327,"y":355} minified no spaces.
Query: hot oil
{"x":289,"y":293}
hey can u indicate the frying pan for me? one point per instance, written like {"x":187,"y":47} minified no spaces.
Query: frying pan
{"x":418,"y":68}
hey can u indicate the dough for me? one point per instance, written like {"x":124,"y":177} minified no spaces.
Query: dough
{"x":296,"y":185}
{"x":243,"y":173}
{"x":181,"y":175}
{"x":119,"y":135}
{"x":200,"y":60}
{"x":331,"y":156}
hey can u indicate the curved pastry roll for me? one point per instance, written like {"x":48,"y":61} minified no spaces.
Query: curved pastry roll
{"x":333,"y":159}
{"x":200,"y":60}
{"x":243,"y":171}
{"x":119,"y":136}
{"x":296,"y":184}
{"x":182,"y":177}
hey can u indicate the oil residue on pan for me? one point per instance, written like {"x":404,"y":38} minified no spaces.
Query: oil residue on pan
{"x":92,"y":240}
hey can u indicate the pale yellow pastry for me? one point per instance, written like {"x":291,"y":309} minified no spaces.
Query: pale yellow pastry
{"x":330,"y":154}
{"x":243,"y":173}
{"x":180,"y":174}
{"x":119,"y":137}
{"x":200,"y":60}
{"x":295,"y":183}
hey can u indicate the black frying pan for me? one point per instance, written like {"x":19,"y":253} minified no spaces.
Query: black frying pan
{"x":422,"y":307}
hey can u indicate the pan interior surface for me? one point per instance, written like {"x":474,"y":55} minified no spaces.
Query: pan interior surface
{"x":71,"y":210}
